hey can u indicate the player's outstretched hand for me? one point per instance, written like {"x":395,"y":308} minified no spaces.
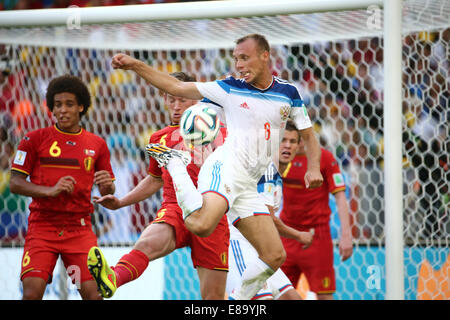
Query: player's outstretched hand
{"x":64,"y":184}
{"x":123,"y":61}
{"x":109,"y":201}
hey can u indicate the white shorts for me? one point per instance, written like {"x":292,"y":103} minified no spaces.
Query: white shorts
{"x":220,"y":174}
{"x":240,"y":253}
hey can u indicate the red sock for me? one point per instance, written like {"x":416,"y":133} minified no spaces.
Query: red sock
{"x":130,"y":267}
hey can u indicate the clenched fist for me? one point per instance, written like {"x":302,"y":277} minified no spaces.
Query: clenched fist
{"x":123,"y":61}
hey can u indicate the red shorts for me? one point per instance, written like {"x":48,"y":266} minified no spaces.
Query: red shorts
{"x":316,"y":262}
{"x":209,"y":252}
{"x":43,"y":247}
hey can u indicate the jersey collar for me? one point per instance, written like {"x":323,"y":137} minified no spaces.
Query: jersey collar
{"x":286,"y":171}
{"x":263,"y":90}
{"x":68,"y":133}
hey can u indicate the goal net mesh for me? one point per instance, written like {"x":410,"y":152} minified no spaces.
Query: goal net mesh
{"x":336,"y":60}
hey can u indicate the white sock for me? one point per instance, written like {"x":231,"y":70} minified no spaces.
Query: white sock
{"x":253,"y":279}
{"x":188,"y":197}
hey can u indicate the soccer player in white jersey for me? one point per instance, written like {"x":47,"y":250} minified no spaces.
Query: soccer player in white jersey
{"x":241,"y":252}
{"x":256,"y":109}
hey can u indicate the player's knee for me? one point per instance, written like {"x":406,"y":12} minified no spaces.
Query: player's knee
{"x":197,"y":225}
{"x":142,"y":245}
{"x":31,"y":294}
{"x":280,"y":257}
{"x":275,"y":258}
{"x":197,"y":228}
{"x":156,"y":241}
{"x":33,"y":288}
{"x":153,"y":247}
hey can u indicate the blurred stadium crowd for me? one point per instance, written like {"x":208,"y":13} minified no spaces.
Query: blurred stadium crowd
{"x":341,"y":83}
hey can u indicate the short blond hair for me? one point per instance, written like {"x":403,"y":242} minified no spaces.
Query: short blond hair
{"x":261,"y":41}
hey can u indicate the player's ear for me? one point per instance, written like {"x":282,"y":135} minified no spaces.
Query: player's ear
{"x":265,"y":55}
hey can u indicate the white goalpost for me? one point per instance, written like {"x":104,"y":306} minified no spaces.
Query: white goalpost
{"x":393,"y":149}
{"x":367,"y":68}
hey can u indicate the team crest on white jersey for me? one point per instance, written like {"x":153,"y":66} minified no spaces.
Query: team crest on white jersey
{"x":284,"y":112}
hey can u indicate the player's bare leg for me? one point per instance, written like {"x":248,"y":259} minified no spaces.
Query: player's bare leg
{"x":262,"y":234}
{"x":33,"y":288}
{"x":212,"y":283}
{"x":88,"y":291}
{"x":203,"y":221}
{"x":156,"y":241}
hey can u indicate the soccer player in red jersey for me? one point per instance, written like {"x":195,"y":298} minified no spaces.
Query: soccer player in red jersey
{"x":305,"y":208}
{"x":62,"y":162}
{"x":168,"y":231}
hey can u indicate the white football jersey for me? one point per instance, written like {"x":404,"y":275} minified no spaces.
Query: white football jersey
{"x":255,"y":119}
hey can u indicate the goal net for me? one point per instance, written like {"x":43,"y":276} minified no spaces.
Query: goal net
{"x":335,"y":57}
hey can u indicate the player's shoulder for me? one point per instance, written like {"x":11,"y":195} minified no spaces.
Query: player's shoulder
{"x":38,"y":134}
{"x":287,"y":88}
{"x":92,"y":136}
{"x":285,"y":85}
{"x":326,"y":154}
{"x":209,"y":103}
{"x":157,"y":135}
{"x":231,"y":82}
{"x":327,"y":158}
{"x":166,"y":130}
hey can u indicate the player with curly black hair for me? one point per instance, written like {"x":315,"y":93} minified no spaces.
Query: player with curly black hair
{"x":63,"y":162}
{"x":69,"y":84}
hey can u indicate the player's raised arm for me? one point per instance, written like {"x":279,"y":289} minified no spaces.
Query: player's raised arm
{"x":313,"y":177}
{"x":161,"y":80}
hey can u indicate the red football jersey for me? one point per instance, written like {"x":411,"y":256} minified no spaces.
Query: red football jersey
{"x":48,"y":154}
{"x":309,"y":207}
{"x":170,"y":137}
